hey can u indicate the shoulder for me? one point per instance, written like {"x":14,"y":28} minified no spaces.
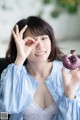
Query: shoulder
{"x":57,"y":65}
{"x":57,"y":76}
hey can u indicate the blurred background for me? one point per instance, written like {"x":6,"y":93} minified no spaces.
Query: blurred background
{"x":62,"y":15}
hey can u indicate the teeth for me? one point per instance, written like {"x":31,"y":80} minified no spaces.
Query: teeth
{"x":40,"y":53}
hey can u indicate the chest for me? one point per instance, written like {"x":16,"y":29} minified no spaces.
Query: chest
{"x":43,"y":97}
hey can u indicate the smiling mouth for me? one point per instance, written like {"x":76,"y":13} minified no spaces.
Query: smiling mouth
{"x":40,"y":53}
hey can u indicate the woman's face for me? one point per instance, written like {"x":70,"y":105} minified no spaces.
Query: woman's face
{"x":42,"y":50}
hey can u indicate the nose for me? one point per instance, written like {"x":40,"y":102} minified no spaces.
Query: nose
{"x":39,"y":45}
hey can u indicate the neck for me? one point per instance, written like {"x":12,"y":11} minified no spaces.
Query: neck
{"x":39,"y":69}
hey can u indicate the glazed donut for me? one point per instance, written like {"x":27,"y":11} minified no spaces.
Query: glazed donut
{"x":71,"y":62}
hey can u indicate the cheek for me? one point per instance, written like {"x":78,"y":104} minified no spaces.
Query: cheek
{"x":48,"y":45}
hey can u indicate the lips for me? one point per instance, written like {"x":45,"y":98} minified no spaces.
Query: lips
{"x":40,"y":53}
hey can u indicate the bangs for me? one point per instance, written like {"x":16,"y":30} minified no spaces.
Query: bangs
{"x":39,"y":30}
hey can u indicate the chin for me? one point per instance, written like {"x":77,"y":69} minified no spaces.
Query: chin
{"x":41,"y":60}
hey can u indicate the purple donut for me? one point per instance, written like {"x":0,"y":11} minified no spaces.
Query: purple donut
{"x":72,"y":62}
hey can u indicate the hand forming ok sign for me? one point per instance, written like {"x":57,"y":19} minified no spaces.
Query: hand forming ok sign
{"x":24,"y":46}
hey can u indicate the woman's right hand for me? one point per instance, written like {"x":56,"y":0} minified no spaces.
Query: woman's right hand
{"x":24,"y":46}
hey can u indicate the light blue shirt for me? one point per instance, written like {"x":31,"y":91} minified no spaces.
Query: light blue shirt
{"x":17,"y":89}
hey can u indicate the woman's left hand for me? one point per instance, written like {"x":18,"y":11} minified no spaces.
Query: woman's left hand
{"x":71,"y":80}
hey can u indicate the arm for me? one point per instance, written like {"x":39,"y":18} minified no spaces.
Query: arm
{"x":69,"y":102}
{"x":69,"y":109}
{"x":14,"y":81}
{"x":13,"y":87}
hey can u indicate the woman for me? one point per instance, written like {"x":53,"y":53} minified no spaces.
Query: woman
{"x":35,"y":85}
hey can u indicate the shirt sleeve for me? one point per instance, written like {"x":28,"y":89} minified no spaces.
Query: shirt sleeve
{"x":14,"y":87}
{"x":69,"y":109}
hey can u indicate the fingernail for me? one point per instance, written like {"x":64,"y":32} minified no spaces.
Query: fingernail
{"x":26,"y":25}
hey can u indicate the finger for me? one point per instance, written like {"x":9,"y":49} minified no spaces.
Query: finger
{"x":64,"y":72}
{"x":17,"y":31}
{"x":79,"y":66}
{"x":14,"y":35}
{"x":29,"y":41}
{"x":29,"y":38}
{"x":35,"y":43}
{"x":23,"y":30}
{"x":74,"y":71}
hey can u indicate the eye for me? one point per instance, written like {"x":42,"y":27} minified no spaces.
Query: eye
{"x":44,"y":38}
{"x":29,"y":43}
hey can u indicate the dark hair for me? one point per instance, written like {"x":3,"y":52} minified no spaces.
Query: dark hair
{"x":37,"y":26}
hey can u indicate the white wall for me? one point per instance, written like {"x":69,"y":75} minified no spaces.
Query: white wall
{"x":65,"y":27}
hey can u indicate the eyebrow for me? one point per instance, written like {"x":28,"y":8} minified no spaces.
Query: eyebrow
{"x":37,"y":36}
